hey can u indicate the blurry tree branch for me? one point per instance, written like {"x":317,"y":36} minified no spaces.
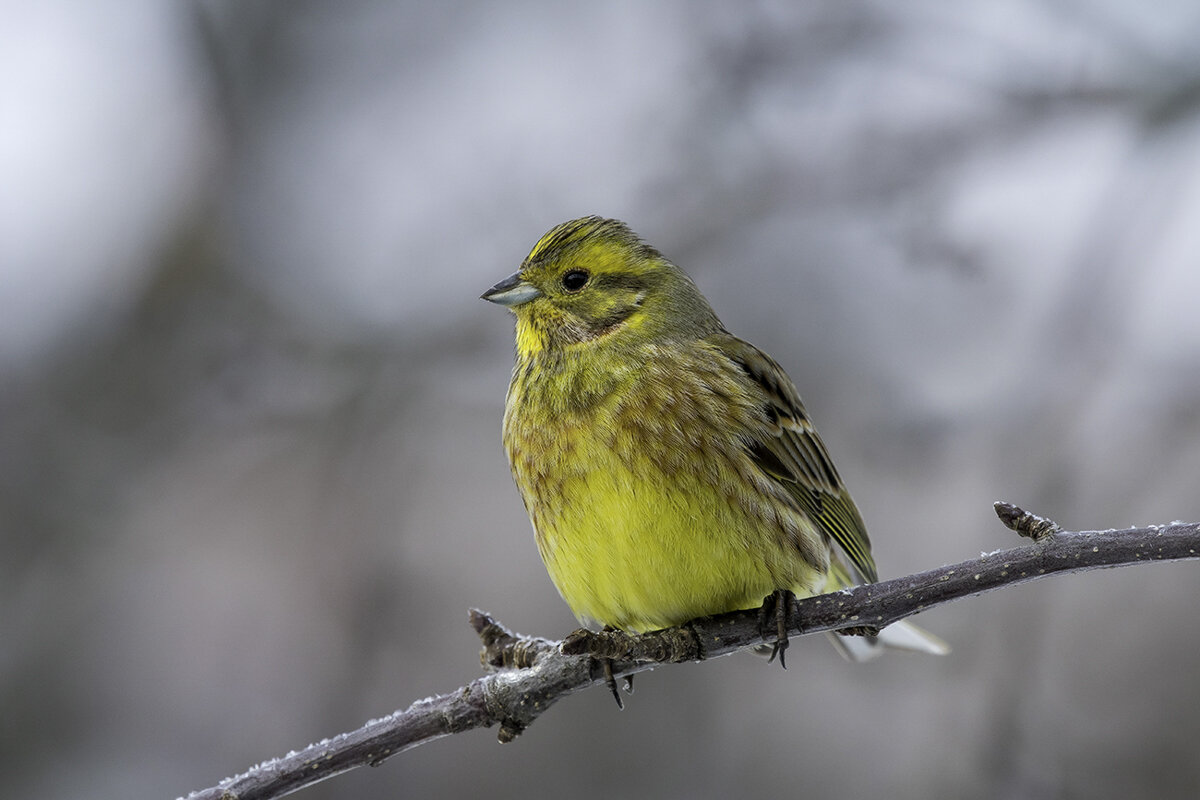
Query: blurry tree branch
{"x":528,"y":675}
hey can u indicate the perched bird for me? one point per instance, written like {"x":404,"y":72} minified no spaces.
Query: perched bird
{"x":668,"y":467}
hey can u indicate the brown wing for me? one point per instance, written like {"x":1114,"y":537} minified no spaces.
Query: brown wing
{"x":795,"y":456}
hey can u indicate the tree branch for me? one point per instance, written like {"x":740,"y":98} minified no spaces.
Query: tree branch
{"x":528,"y":675}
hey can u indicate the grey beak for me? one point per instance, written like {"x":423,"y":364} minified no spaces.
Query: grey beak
{"x":512,"y":291}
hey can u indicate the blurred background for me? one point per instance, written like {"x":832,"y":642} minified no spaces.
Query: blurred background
{"x":251,"y":476}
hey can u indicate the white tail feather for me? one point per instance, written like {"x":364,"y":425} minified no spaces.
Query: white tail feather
{"x":897,"y":636}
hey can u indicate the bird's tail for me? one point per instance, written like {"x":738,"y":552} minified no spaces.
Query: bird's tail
{"x":901,"y":635}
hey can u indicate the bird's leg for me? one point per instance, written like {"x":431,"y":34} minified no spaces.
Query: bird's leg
{"x":600,"y":647}
{"x":780,"y":603}
{"x":610,"y":681}
{"x":870,"y":631}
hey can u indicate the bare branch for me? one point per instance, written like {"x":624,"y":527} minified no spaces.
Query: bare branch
{"x":530,"y":674}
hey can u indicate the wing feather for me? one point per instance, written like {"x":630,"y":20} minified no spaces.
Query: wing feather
{"x":793,"y":454}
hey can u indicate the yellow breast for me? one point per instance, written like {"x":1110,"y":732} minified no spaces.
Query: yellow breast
{"x":647,"y":510}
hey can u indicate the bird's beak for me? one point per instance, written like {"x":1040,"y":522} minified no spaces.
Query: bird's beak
{"x":511,"y":292}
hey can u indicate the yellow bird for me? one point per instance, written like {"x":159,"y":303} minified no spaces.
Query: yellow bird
{"x":668,"y":467}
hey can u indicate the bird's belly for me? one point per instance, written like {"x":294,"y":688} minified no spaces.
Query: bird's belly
{"x":638,"y":549}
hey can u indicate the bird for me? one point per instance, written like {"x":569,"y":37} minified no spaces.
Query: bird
{"x":669,"y":468}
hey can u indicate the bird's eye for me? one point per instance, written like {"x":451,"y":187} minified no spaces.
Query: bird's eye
{"x":575,"y":280}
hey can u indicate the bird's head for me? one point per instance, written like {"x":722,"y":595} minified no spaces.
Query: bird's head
{"x":593,"y":278}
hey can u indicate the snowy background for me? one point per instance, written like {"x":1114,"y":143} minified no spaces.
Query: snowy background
{"x":250,"y":468}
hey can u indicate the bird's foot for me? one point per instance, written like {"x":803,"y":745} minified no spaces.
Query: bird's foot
{"x":780,"y":604}
{"x":603,"y":647}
